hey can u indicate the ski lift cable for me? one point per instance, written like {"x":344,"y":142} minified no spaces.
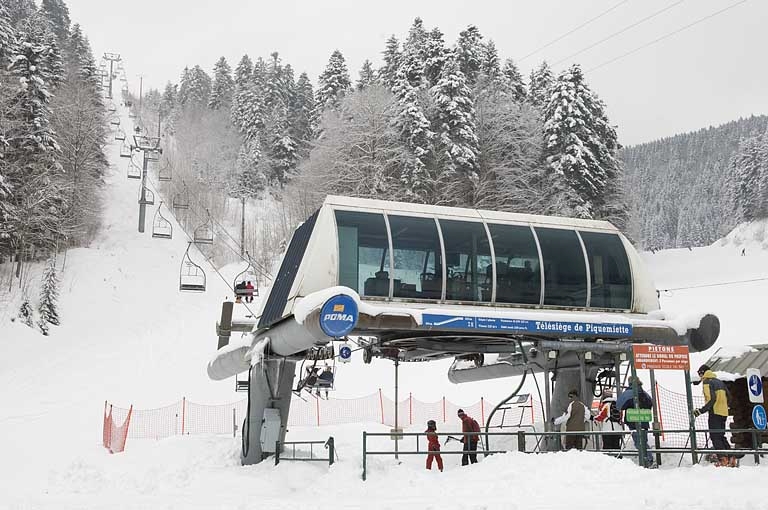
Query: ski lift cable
{"x":207,"y":259}
{"x":628,"y":27}
{"x":557,"y":39}
{"x":719,"y":284}
{"x":669,"y":34}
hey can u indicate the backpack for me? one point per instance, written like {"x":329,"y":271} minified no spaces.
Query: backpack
{"x":614,"y":414}
{"x":645,"y":400}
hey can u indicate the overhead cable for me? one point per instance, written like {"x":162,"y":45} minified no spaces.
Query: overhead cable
{"x":670,"y":34}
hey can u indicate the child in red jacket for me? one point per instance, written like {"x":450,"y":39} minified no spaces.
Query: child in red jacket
{"x":433,"y":446}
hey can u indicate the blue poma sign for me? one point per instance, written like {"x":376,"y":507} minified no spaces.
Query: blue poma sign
{"x":338,"y":317}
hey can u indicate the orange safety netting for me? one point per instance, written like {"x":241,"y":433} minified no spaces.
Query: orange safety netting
{"x":185,"y":417}
{"x":114,"y":437}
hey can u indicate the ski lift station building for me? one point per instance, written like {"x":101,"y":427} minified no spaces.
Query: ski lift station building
{"x":423,"y":282}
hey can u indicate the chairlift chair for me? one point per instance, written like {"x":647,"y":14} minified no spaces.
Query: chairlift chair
{"x":120,"y":135}
{"x":181,"y":199}
{"x":152,"y":155}
{"x":134,"y":172}
{"x":161,"y":227}
{"x":204,"y":232}
{"x":316,"y":377}
{"x":111,"y":107}
{"x":115,"y":121}
{"x":166,"y":172}
{"x":125,"y":149}
{"x":191,"y":276}
{"x":149,"y":197}
{"x":241,"y":280}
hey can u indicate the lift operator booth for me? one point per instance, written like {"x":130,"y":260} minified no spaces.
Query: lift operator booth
{"x":504,"y":294}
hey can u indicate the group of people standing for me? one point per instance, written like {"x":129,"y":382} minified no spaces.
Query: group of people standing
{"x":470,"y":437}
{"x":611,"y":417}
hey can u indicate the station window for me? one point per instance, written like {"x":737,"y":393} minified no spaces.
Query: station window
{"x":565,"y":274}
{"x":467,"y":260}
{"x":363,"y":252}
{"x":518,"y":274}
{"x":417,"y":257}
{"x":610,"y":275}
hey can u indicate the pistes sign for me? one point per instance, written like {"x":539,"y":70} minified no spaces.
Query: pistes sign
{"x":661,"y":357}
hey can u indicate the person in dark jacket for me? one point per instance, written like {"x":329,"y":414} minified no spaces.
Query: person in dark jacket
{"x":433,"y":445}
{"x":575,"y":417}
{"x":626,"y":401}
{"x":716,"y":405}
{"x":469,"y":424}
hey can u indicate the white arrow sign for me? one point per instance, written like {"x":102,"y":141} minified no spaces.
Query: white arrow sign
{"x":755,"y":385}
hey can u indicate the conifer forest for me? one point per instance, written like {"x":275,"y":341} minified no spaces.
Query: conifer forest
{"x":427,"y":120}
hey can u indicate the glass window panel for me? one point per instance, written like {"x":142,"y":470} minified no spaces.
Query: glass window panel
{"x":417,"y":256}
{"x":565,"y":273}
{"x":468,"y":259}
{"x":611,"y":278}
{"x":363,"y":252}
{"x":518,"y":275}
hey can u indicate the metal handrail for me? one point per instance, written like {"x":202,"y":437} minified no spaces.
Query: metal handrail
{"x":328,"y":445}
{"x":521,"y":436}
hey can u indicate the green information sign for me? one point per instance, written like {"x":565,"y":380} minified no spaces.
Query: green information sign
{"x":638,"y":415}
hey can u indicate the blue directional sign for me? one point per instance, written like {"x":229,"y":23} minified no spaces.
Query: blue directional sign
{"x":345,"y":353}
{"x":755,"y":385}
{"x":758,"y":417}
{"x":566,"y":328}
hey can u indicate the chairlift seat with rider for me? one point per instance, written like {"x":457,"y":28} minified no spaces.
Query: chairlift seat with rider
{"x":161,"y":227}
{"x":204,"y":232}
{"x":191,"y":276}
{"x":315,"y":377}
{"x":249,"y":274}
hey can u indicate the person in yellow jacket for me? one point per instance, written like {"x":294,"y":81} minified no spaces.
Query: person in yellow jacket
{"x":716,"y":404}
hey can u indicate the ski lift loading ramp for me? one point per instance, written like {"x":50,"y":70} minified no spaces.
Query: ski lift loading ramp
{"x":463,"y":283}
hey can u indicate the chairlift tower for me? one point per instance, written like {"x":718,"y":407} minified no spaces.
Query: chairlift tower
{"x":148,"y":145}
{"x":112,"y":57}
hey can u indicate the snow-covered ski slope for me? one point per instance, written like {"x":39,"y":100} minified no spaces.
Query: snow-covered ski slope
{"x":129,"y":336}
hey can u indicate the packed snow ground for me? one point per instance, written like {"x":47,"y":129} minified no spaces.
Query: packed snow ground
{"x":129,"y":336}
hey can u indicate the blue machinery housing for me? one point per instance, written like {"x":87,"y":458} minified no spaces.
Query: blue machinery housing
{"x":429,"y":282}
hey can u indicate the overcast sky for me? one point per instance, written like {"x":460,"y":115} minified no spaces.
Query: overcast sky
{"x":711,"y":73}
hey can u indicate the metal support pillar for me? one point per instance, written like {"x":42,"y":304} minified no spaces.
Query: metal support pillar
{"x":655,"y":428}
{"x":691,"y":419}
{"x":641,"y":432}
{"x":112,"y":57}
{"x":271,"y":385}
{"x":242,"y":226}
{"x":143,"y":199}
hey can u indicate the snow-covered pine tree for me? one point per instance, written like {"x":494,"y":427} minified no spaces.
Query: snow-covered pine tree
{"x":415,"y":129}
{"x":457,"y":137}
{"x":539,"y":85}
{"x":26,"y":313}
{"x":388,"y":71}
{"x":334,"y":82}
{"x":301,"y":115}
{"x":274,"y":88}
{"x":57,"y":14}
{"x":435,"y":56}
{"x":514,"y":80}
{"x":49,"y":295}
{"x":243,"y":71}
{"x":749,"y":166}
{"x":580,"y":142}
{"x":222,"y":87}
{"x":242,"y":80}
{"x":197,"y":87}
{"x":251,"y":180}
{"x":490,"y":65}
{"x":469,"y":52}
{"x":367,"y":76}
{"x":53,"y":60}
{"x":19,"y":10}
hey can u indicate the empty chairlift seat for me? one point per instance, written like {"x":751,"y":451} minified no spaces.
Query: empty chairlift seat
{"x":191,"y":276}
{"x":134,"y":172}
{"x":125,"y":149}
{"x":149,"y":197}
{"x":204,"y":232}
{"x":161,"y":227}
{"x":115,"y":121}
{"x":166,"y":171}
{"x":181,"y":199}
{"x":120,"y":135}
